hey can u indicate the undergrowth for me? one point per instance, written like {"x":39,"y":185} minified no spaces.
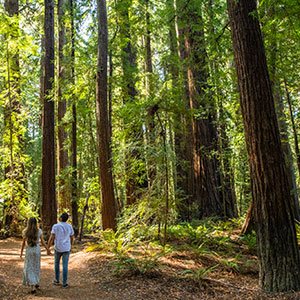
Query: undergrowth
{"x":211,"y":244}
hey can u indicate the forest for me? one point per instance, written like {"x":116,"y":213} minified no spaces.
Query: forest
{"x":165,"y":128}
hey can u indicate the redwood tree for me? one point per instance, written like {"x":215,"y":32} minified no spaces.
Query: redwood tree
{"x":276,"y":235}
{"x":49,"y":206}
{"x":202,"y":138}
{"x":109,"y":208}
{"x":62,"y":164}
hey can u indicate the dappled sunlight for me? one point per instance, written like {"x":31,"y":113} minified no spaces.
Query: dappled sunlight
{"x":12,"y":266}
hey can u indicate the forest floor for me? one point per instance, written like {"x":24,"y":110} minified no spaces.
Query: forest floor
{"x":91,"y":277}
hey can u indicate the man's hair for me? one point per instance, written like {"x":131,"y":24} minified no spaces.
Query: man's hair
{"x":64,"y":217}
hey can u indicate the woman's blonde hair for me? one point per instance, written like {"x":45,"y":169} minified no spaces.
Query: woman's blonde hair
{"x":31,"y":232}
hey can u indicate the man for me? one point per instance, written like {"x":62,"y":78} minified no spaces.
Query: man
{"x":63,"y":236}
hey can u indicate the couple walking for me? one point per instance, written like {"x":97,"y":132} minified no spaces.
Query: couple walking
{"x":62,"y":235}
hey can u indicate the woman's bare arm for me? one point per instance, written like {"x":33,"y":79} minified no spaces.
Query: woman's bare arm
{"x":22,"y":247}
{"x":44,"y":244}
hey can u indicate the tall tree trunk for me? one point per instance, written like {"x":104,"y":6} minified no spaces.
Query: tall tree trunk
{"x":204,"y":139}
{"x":74,"y":187}
{"x":152,"y":109}
{"x":14,"y":168}
{"x":182,"y":130}
{"x":136,"y":179}
{"x":226,"y":172}
{"x":109,"y":208}
{"x":276,"y":235}
{"x":63,"y":190}
{"x":49,"y":206}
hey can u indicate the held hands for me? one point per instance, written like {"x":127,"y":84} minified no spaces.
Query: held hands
{"x":49,"y":251}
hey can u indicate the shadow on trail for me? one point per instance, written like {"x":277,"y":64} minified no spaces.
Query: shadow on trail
{"x":11,"y":268}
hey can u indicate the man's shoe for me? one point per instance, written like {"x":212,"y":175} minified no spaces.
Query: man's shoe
{"x":55,"y":282}
{"x":65,"y":286}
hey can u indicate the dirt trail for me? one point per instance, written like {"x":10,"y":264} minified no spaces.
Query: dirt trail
{"x":91,"y":278}
{"x":11,"y":266}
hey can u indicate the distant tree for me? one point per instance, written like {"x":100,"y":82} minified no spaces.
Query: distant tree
{"x":280,"y":110}
{"x":136,"y":178}
{"x":74,"y":185}
{"x":13,"y":132}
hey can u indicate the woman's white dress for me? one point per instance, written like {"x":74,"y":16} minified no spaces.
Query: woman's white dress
{"x":32,"y":264}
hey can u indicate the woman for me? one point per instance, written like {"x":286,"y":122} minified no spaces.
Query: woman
{"x":32,"y":236}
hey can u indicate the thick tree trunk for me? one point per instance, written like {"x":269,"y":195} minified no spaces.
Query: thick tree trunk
{"x":63,"y":190}
{"x":49,"y":206}
{"x":206,"y":182}
{"x":109,"y":208}
{"x":276,"y":235}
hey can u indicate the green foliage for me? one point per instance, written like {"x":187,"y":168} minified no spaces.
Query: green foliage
{"x":250,"y":241}
{"x":198,"y":274}
{"x":131,"y":257}
{"x":144,"y":265}
{"x":137,"y":150}
{"x":230,"y":264}
{"x":210,"y":233}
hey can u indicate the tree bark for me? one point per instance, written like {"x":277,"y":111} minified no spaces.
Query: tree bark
{"x":276,"y":235}
{"x":109,"y":208}
{"x":49,"y":205}
{"x":206,"y":182}
{"x":224,"y":151}
{"x":63,"y":190}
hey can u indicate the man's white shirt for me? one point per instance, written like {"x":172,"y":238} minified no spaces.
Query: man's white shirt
{"x":63,"y":231}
